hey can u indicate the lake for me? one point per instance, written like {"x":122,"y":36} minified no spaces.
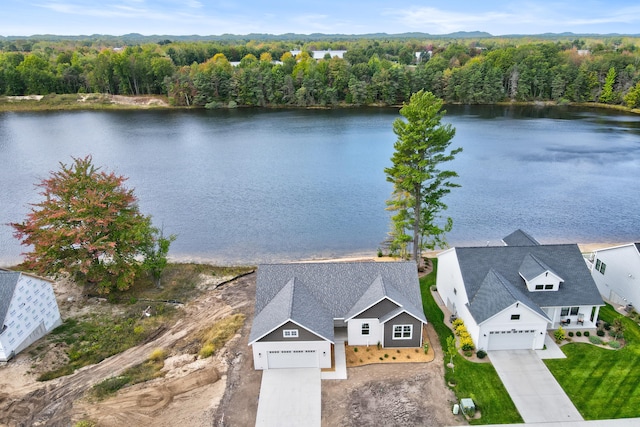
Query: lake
{"x":249,"y":186}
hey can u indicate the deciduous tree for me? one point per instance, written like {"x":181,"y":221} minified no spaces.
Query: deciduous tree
{"x":88,"y":225}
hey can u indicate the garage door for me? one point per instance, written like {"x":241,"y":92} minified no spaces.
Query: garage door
{"x":292,"y":359}
{"x":511,"y":340}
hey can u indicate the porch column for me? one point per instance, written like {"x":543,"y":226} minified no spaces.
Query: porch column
{"x":595,"y":316}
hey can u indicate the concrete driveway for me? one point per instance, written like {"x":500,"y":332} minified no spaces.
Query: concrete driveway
{"x":290,"y":397}
{"x":535,"y":392}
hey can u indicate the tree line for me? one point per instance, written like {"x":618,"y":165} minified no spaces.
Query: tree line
{"x":372,"y":72}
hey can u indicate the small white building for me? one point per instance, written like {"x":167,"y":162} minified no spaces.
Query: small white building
{"x":28,"y":311}
{"x":616,"y":271}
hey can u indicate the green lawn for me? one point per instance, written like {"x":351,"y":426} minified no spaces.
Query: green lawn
{"x":602,"y":383}
{"x":478,"y":381}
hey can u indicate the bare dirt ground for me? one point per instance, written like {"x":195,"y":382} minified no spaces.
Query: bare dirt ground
{"x":219,"y":391}
{"x":188,"y":395}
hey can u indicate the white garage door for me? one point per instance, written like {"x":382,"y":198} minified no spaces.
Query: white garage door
{"x":511,"y":340}
{"x":292,"y":359}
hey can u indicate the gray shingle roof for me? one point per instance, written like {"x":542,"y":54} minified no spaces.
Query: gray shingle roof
{"x":8,"y":282}
{"x":520,"y":238}
{"x":335,"y":289}
{"x":578,"y":287}
{"x":495,"y":294}
{"x":532,"y":267}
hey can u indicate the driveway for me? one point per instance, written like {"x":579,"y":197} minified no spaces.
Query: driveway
{"x":535,"y":392}
{"x":289,"y":397}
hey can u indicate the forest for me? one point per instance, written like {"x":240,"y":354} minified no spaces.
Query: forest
{"x":262,"y":72}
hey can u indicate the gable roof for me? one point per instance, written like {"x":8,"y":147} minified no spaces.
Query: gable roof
{"x":520,"y":238}
{"x":578,"y":287}
{"x":293,"y":303}
{"x":532,"y":267}
{"x":496,"y":294}
{"x":8,"y":283}
{"x":321,"y":292}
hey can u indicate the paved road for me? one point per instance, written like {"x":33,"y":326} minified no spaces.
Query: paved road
{"x":535,"y":392}
{"x":290,"y":397}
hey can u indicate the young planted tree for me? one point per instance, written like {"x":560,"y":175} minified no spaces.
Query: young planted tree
{"x":420,"y":150}
{"x":89,"y":226}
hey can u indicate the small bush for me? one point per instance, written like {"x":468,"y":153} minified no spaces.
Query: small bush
{"x":367,"y":349}
{"x":382,"y":358}
{"x":408,"y":356}
{"x":386,"y":355}
{"x":578,"y":334}
{"x":468,"y":353}
{"x":157,"y":355}
{"x":607,"y":325}
{"x":481,"y":354}
{"x":600,"y":333}
{"x":586,"y":333}
{"x":85,"y":423}
{"x":393,"y":357}
{"x":595,"y":340}
{"x":559,"y":334}
{"x":570,"y":334}
{"x":379,"y":253}
{"x":457,"y":322}
{"x":207,"y":350}
{"x":355,"y":349}
{"x":425,"y":347}
{"x":397,"y":351}
{"x":614,"y":344}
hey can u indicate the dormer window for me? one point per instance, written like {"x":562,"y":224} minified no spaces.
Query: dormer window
{"x":538,"y":276}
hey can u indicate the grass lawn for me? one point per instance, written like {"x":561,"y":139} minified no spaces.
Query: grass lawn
{"x":478,"y":381}
{"x":602,"y":383}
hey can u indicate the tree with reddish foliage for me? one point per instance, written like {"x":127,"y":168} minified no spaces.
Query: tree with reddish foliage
{"x":89,"y":226}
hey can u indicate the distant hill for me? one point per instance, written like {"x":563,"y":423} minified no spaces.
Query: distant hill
{"x":135,"y":38}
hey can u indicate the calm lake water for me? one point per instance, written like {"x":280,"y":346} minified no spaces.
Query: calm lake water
{"x":248,"y":186}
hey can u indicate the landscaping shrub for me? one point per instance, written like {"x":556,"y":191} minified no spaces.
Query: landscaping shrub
{"x":570,"y":333}
{"x":386,"y":355}
{"x":586,"y":333}
{"x":607,"y":325}
{"x":600,"y":333}
{"x":355,"y":349}
{"x":595,"y":340}
{"x":468,"y":353}
{"x":614,"y":344}
{"x":578,"y":334}
{"x":426,"y":347}
{"x":559,"y":334}
{"x":481,"y":354}
{"x":457,"y":322}
{"x":466,"y":343}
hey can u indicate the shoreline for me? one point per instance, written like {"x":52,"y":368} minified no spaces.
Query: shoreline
{"x":104,"y":101}
{"x":585,"y":248}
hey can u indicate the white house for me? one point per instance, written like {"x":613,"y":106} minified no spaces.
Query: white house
{"x":509,"y":296}
{"x":28,"y":311}
{"x":301,"y":307}
{"x":616,"y":271}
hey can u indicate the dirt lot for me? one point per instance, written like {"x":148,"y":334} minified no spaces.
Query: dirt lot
{"x":219,"y":391}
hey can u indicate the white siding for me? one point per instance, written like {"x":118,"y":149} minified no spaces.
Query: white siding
{"x":33,"y":312}
{"x":530,"y":323}
{"x":621,"y":276}
{"x":354,"y":330}
{"x":261,"y":352}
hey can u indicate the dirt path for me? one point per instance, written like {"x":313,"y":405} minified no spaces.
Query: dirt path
{"x":58,"y":402}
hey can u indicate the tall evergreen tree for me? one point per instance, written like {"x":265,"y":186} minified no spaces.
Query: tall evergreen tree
{"x":420,"y":150}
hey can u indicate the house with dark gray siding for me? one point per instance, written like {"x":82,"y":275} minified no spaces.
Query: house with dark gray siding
{"x":300,"y":307}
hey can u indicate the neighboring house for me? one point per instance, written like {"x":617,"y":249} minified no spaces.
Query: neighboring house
{"x":509,"y":296}
{"x":300,"y":308}
{"x":320,"y":54}
{"x":28,"y":311}
{"x":616,"y":271}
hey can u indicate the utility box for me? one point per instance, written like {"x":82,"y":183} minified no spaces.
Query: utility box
{"x":468,"y":407}
{"x":456,"y":409}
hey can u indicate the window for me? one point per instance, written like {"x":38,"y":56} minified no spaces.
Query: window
{"x":402,"y":332}
{"x":574,"y":311}
{"x":564,"y":311}
{"x":365,"y":329}
{"x":515,"y":317}
{"x":548,"y":286}
{"x":539,"y":287}
{"x":290,"y":333}
{"x":600,"y":266}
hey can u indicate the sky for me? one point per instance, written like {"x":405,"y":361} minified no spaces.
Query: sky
{"x":202,"y":17}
